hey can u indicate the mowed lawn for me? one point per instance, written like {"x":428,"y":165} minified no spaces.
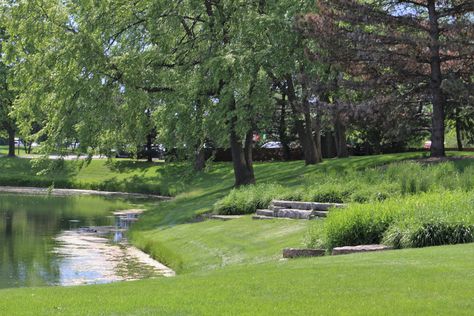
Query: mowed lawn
{"x":428,"y":281}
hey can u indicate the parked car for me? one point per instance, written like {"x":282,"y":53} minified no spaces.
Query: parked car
{"x":272,"y":145}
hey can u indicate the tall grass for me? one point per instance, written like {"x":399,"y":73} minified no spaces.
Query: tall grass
{"x":248,"y":199}
{"x":358,"y":186}
{"x":414,"y":221}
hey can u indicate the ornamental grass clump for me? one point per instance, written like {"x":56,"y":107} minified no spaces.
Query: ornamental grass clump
{"x":428,"y":234}
{"x":248,"y":199}
{"x":415,"y":221}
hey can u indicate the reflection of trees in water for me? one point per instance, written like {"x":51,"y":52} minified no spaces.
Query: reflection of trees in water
{"x":25,"y":249}
{"x":27,"y":227}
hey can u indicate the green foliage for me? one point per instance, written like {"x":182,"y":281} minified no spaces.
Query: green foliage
{"x":329,"y":193}
{"x":313,"y":238}
{"x":355,"y":186}
{"x":403,"y":235}
{"x":109,"y":73}
{"x":415,"y":221}
{"x":247,"y":200}
{"x":356,"y":225}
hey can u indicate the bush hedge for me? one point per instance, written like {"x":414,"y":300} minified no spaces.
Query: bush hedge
{"x":423,"y":220}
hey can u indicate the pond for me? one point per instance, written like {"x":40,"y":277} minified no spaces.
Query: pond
{"x":68,"y":240}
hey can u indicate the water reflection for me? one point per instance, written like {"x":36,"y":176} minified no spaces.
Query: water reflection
{"x":42,"y":243}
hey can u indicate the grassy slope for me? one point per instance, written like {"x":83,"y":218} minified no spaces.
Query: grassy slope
{"x":198,"y":246}
{"x":429,"y":281}
{"x":201,"y":246}
{"x":215,"y":244}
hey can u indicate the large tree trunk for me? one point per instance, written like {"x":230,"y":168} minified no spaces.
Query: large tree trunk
{"x":329,"y":145}
{"x":340,"y":138}
{"x":11,"y":142}
{"x":199,"y":159}
{"x":241,"y":157}
{"x":149,"y":147}
{"x":317,"y":140}
{"x":311,"y":153}
{"x":303,"y":127}
{"x":243,"y":168}
{"x":248,"y":149}
{"x":282,"y":131}
{"x":458,"y":133}
{"x":437,"y":132}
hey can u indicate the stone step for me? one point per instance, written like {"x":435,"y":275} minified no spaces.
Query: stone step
{"x":265,"y":212}
{"x":316,"y":214}
{"x":293,"y":213}
{"x":361,"y":248}
{"x":304,"y":205}
{"x":225,"y":217}
{"x":260,"y":217}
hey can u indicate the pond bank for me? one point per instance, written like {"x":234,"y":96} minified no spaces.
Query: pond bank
{"x":66,"y":192}
{"x":70,"y":240}
{"x":91,"y":258}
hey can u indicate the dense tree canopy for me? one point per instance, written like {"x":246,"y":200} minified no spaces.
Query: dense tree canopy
{"x":403,"y":48}
{"x":196,"y":74}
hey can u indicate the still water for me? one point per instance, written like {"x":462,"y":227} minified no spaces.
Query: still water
{"x":43,"y":242}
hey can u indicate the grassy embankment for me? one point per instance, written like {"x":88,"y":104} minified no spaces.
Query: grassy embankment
{"x":198,"y":245}
{"x":414,"y":279}
{"x":428,"y":281}
{"x":165,"y":232}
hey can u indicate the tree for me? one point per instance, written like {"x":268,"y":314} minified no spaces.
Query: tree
{"x":407,"y":46}
{"x":7,"y":94}
{"x":460,"y":105}
{"x":100,"y":70}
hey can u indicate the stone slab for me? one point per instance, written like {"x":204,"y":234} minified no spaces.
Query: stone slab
{"x":258,"y":217}
{"x":361,"y":248}
{"x":304,"y":205}
{"x":294,"y":214}
{"x":265,"y":212}
{"x":225,"y":217}
{"x":302,"y":252}
{"x":319,"y":214}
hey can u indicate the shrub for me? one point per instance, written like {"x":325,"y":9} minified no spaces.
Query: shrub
{"x":329,"y":193}
{"x":313,"y":238}
{"x":372,"y":194}
{"x":247,"y":200}
{"x":414,"y":221}
{"x":359,"y":186}
{"x":359,"y":224}
{"x":429,"y":234}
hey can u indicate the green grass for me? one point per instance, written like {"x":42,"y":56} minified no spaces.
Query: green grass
{"x":4,"y":150}
{"x":215,"y":244}
{"x":398,"y":179}
{"x":368,"y":223}
{"x":234,"y":267}
{"x":101,"y":174}
{"x":173,"y":178}
{"x":429,"y":281}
